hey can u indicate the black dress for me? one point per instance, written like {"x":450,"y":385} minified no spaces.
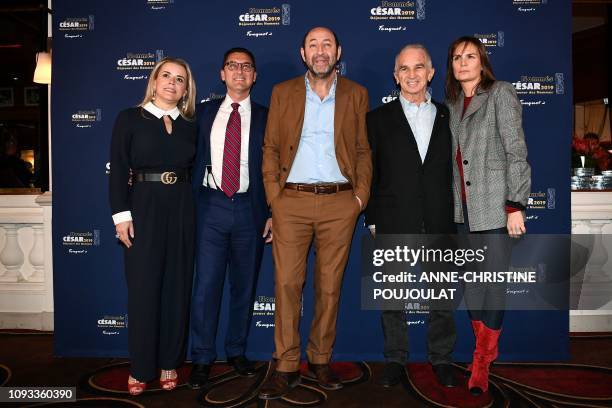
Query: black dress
{"x":159,"y":265}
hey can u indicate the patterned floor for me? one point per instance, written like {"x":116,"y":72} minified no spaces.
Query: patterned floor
{"x":586,"y":381}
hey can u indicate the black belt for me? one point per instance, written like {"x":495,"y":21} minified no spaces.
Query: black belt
{"x":167,"y":177}
{"x":329,"y":188}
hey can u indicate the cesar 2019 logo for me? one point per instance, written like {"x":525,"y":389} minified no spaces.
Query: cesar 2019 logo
{"x":88,"y":238}
{"x":76,"y":27}
{"x":264,"y":305}
{"x":540,"y":84}
{"x":266,"y":16}
{"x":398,"y":10}
{"x":139,"y":60}
{"x":86,"y":118}
{"x":541,"y":200}
{"x":78,"y":242}
{"x":112,"y":325}
{"x":491,"y":40}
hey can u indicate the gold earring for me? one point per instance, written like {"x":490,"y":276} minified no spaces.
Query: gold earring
{"x":153,"y":97}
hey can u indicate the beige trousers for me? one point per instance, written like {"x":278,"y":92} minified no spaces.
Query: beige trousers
{"x":299,"y":219}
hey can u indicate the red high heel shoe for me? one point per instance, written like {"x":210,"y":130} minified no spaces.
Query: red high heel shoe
{"x":168,"y":379}
{"x":136,"y":387}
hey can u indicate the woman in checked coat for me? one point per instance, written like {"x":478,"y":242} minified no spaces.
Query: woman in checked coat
{"x":491,"y":179}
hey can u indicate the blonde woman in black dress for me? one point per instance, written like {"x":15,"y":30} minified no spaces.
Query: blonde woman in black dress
{"x":154,"y":219}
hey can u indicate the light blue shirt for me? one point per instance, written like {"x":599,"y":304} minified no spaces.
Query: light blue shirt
{"x":421,"y":120}
{"x":315,"y":159}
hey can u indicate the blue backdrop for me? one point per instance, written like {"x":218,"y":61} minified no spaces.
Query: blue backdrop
{"x":103,"y":53}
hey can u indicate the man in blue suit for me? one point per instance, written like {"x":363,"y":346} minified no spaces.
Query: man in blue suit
{"x":233,"y":220}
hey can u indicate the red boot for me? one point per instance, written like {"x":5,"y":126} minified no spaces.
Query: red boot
{"x":476,"y":326}
{"x":484,"y":354}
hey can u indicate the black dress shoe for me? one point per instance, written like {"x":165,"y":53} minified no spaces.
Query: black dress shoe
{"x":279,"y":384}
{"x":326,"y":378}
{"x":242,"y":365}
{"x":199,"y":376}
{"x":445,"y":375}
{"x":392,"y":374}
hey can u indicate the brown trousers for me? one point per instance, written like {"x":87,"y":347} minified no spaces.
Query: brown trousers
{"x":298,"y":217}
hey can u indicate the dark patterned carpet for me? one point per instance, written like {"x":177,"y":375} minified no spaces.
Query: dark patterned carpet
{"x":586,"y":381}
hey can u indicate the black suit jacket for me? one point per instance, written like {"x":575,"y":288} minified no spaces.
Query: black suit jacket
{"x":408,"y":196}
{"x":206,"y":113}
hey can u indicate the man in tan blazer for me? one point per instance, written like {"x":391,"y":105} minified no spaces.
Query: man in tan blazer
{"x":317,"y":172}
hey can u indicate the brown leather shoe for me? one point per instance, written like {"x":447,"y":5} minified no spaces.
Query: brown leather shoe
{"x":279,"y":384}
{"x":326,"y":378}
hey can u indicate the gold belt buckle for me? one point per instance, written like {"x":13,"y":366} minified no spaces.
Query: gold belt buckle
{"x":168,"y":177}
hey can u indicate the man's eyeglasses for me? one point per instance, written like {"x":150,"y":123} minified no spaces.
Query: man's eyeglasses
{"x":245,"y":66}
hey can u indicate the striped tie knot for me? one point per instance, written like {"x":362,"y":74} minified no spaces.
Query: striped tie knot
{"x":230,"y":175}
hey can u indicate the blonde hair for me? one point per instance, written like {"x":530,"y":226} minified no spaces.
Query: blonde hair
{"x":187,"y":104}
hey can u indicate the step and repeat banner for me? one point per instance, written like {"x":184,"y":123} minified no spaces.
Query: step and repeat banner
{"x":104,"y":51}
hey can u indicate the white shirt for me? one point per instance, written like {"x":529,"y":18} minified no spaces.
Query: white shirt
{"x":150,"y":107}
{"x":159,"y":112}
{"x":421,"y":119}
{"x":315,"y":160}
{"x":217,"y":144}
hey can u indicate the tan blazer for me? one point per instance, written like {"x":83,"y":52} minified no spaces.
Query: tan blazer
{"x":284,"y":129}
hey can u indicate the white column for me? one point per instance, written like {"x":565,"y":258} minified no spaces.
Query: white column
{"x":37,"y":254}
{"x":11,"y":256}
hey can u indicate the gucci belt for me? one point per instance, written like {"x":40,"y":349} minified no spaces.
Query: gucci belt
{"x":167,"y":177}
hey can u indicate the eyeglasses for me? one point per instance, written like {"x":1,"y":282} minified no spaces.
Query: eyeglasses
{"x":245,"y":66}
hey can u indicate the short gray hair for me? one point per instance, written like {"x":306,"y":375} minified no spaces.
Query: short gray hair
{"x":414,"y":47}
